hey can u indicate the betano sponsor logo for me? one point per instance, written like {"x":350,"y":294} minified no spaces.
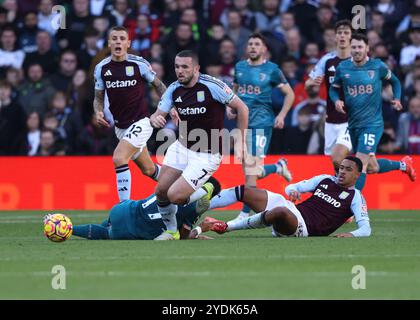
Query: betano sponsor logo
{"x":192,"y":111}
{"x":327,"y":198}
{"x":120,"y":84}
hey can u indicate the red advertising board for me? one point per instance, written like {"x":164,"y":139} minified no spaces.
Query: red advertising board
{"x":89,"y":182}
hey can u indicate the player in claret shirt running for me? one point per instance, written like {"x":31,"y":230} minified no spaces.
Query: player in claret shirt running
{"x":200,"y":101}
{"x":337,"y":139}
{"x":333,"y":201}
{"x":124,"y":78}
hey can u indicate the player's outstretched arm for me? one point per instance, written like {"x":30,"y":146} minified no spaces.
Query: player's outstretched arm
{"x":316,"y":76}
{"x":313,"y":82}
{"x":98,"y":107}
{"x":335,"y":89}
{"x":294,"y":190}
{"x":158,"y":119}
{"x":289,"y":98}
{"x":165,"y":105}
{"x":334,"y":94}
{"x":230,"y":114}
{"x":242,"y":111}
{"x":159,"y":86}
{"x":396,"y":90}
{"x":361,"y":216}
{"x":363,"y":230}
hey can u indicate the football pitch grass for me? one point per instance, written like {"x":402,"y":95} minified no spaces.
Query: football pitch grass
{"x":241,"y":265}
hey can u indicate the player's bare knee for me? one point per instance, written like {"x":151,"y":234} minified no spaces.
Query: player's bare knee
{"x":119,"y":159}
{"x":148,"y":171}
{"x":336,"y":160}
{"x":161,"y":193}
{"x":176,"y":197}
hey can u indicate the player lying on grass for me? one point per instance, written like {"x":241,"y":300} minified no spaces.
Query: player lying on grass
{"x":140,"y":220}
{"x":333,"y":201}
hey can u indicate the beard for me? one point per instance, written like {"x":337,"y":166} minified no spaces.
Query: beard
{"x":255,"y":57}
{"x":359,"y":58}
{"x":185,"y":80}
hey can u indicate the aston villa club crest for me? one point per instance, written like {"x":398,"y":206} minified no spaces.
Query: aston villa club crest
{"x":200,"y":96}
{"x":343,"y":195}
{"x":371,"y":74}
{"x":129,"y":71}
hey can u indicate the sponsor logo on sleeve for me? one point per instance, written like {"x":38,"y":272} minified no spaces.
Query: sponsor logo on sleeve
{"x":228,"y":90}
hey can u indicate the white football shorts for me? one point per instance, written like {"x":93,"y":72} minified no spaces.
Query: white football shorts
{"x":196,"y":167}
{"x":336,"y":134}
{"x":137,"y":134}
{"x":277,"y":200}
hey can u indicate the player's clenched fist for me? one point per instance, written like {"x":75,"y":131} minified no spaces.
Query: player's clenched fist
{"x":315,"y":82}
{"x":100,"y":119}
{"x":396,"y":104}
{"x":294,"y":196}
{"x":157,"y":121}
{"x":339,"y":106}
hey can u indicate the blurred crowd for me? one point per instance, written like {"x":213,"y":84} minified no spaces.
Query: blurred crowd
{"x":46,"y":87}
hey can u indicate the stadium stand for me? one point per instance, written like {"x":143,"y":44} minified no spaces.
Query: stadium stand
{"x":49,"y":72}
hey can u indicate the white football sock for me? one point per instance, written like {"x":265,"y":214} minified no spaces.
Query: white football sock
{"x":223,"y":199}
{"x":252,"y":222}
{"x":123,"y":182}
{"x":197,"y":194}
{"x":168,"y":214}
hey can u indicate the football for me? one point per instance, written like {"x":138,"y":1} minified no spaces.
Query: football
{"x":57,"y":227}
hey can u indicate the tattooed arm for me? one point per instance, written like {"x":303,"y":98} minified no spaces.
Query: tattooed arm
{"x":159,"y":86}
{"x":98,"y":107}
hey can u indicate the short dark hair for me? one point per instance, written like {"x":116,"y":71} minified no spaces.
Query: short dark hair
{"x":377,"y":13}
{"x":360,"y":37}
{"x":259,"y":36}
{"x":343,"y":23}
{"x":91,"y":32}
{"x":357,"y":161}
{"x":188,"y":54}
{"x":117,"y":28}
{"x":5,"y":84}
{"x":8,"y":27}
{"x":414,"y":10}
{"x":68,"y":51}
{"x":325,"y":6}
{"x":288,"y":59}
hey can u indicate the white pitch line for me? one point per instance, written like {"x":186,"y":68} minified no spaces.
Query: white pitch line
{"x":272,"y":257}
{"x":37,"y":215}
{"x":233,"y":273}
{"x":17,"y":220}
